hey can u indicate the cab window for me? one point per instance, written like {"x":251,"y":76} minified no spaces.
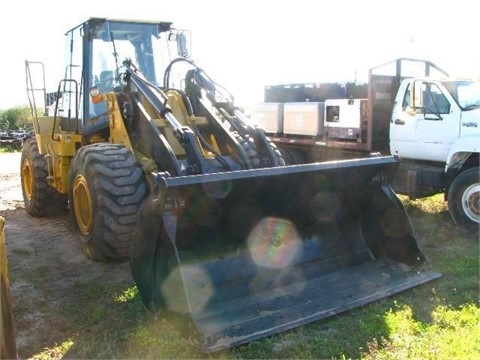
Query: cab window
{"x":434,"y":101}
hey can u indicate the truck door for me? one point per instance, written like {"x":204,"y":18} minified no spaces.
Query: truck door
{"x":426,"y":123}
{"x":403,"y":123}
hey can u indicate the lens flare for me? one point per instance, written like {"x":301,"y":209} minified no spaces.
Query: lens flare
{"x":325,"y":206}
{"x":205,"y":211}
{"x":274,"y":243}
{"x":287,"y":282}
{"x":195,"y":279}
{"x":218,"y":189}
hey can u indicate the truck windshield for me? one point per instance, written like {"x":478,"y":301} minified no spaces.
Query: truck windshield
{"x":151,"y":47}
{"x":465,"y":93}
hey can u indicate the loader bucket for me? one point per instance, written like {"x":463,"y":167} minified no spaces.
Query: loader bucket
{"x":241,"y":255}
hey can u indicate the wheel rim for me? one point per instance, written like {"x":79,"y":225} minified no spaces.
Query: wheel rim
{"x":82,"y":204}
{"x":27,"y":180}
{"x":471,"y":202}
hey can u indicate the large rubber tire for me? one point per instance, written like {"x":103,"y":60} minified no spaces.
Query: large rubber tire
{"x":252,"y":153}
{"x":40,"y":198}
{"x":106,"y":190}
{"x":464,"y":200}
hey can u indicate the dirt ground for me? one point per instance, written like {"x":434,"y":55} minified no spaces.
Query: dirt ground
{"x":46,"y":266}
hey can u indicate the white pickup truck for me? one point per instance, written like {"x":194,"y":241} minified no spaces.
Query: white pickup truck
{"x":430,"y":121}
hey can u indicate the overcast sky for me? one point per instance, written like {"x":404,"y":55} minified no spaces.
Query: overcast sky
{"x":245,"y":45}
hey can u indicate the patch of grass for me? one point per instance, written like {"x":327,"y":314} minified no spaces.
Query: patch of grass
{"x":38,"y":276}
{"x":23,"y":252}
{"x":10,"y":148}
{"x":431,"y":205}
{"x":453,"y":334}
{"x":55,"y":352}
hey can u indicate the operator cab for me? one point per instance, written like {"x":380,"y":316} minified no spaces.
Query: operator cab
{"x":97,"y":49}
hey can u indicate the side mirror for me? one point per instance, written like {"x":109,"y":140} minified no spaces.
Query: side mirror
{"x":182,"y":45}
{"x":182,"y":41}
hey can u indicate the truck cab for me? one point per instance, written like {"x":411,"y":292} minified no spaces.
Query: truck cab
{"x":430,"y":116}
{"x":434,"y":129}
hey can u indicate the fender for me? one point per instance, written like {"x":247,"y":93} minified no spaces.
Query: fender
{"x":461,"y":150}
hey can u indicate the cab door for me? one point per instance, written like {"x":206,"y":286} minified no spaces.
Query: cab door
{"x":426,"y":124}
{"x":438,"y":126}
{"x":403,"y":123}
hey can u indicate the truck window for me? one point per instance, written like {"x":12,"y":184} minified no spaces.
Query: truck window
{"x":469,"y":95}
{"x":434,"y":101}
{"x":406,"y":99}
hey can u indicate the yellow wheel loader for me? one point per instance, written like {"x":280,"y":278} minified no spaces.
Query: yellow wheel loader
{"x":157,"y":165}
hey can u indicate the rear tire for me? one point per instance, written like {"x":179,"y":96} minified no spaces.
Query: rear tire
{"x":106,"y":190}
{"x":41,"y":200}
{"x":464,"y":200}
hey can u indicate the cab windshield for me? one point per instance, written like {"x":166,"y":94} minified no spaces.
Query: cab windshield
{"x":150,"y":46}
{"x":465,"y":93}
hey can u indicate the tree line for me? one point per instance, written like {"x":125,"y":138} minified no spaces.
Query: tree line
{"x":19,"y":117}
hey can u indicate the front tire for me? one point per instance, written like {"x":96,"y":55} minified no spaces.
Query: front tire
{"x":464,"y":200}
{"x":40,"y":198}
{"x":107,"y":189}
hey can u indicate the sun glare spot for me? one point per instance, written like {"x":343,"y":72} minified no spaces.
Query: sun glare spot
{"x":325,"y":206}
{"x":265,"y":287}
{"x":218,"y":190}
{"x":193,"y":278}
{"x":205,"y":211}
{"x":274,"y":243}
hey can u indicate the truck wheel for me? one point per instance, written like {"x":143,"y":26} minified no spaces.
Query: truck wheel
{"x":464,"y":200}
{"x":106,"y":190}
{"x":39,"y":197}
